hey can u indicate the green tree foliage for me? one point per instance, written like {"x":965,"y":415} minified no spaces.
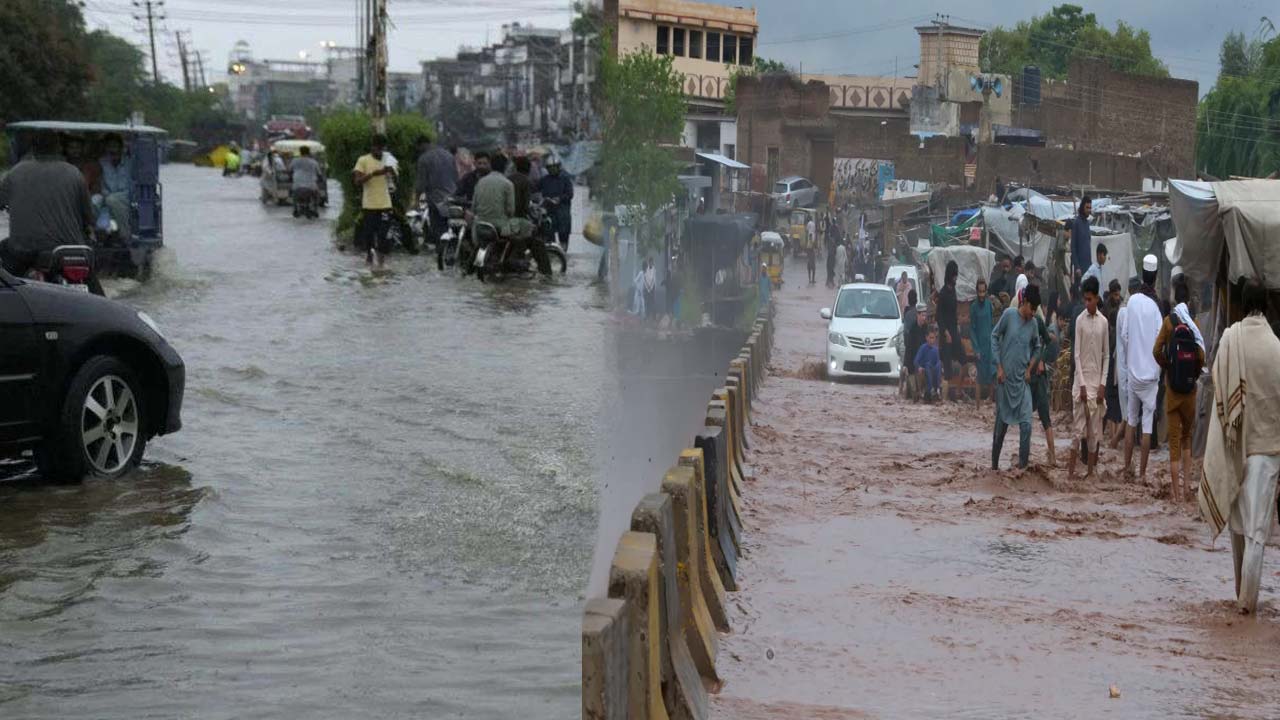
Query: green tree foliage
{"x":55,"y":70}
{"x":46,"y":66}
{"x":346,"y":136}
{"x":641,"y":109}
{"x":1238,"y":122}
{"x":1067,"y":33}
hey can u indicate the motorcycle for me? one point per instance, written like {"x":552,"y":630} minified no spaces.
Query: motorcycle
{"x":453,"y":244}
{"x":493,"y":258}
{"x":397,"y":233}
{"x":306,"y":204}
{"x":70,"y":266}
{"x":544,"y":231}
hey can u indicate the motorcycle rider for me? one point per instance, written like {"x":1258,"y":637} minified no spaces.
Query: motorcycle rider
{"x":307,"y":177}
{"x":435,"y":180}
{"x":495,"y":203}
{"x":48,"y":204}
{"x":371,"y":175}
{"x":557,"y":191}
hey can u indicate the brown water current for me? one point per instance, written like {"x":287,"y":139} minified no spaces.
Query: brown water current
{"x":890,"y":574}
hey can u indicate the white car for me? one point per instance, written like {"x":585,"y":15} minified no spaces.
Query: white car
{"x":864,"y":332}
{"x":794,"y":192}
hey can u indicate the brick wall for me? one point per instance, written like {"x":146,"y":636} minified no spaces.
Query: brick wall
{"x":1054,"y":166}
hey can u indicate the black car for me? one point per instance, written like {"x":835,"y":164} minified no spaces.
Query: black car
{"x":85,"y":381}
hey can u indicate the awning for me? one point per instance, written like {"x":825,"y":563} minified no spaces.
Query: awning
{"x":722,"y":160}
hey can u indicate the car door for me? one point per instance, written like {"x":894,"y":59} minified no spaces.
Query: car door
{"x":19,"y":367}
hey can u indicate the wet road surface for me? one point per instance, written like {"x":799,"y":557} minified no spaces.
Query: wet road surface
{"x":889,"y":573}
{"x":383,"y":502}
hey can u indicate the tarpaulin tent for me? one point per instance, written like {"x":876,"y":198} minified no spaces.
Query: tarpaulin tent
{"x":1120,"y":263}
{"x":940,"y":235}
{"x":974,"y":263}
{"x":1236,"y":218}
{"x":1003,"y":227}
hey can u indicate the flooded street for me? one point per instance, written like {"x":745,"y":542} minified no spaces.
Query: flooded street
{"x":383,"y":502}
{"x":889,"y":573}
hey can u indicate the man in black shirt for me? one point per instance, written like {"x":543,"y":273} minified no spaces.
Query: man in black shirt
{"x":949,"y":322}
{"x":48,"y":204}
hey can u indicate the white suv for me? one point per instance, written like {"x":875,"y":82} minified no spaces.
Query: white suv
{"x":864,"y":333}
{"x":793,"y":192}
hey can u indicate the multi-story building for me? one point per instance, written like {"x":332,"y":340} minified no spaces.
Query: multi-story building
{"x":706,"y":42}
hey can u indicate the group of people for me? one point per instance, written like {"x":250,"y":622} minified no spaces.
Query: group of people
{"x":61,"y":194}
{"x":498,"y":191}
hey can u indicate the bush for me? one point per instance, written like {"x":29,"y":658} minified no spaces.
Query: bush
{"x":346,"y":137}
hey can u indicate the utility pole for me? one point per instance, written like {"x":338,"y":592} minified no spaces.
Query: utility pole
{"x":200,"y":69}
{"x":152,"y":10}
{"x":378,"y":104}
{"x":182,"y":58}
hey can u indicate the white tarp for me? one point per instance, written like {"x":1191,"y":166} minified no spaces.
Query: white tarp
{"x":1120,"y":263}
{"x":1003,"y":226}
{"x":973,"y":262}
{"x":1200,"y":242}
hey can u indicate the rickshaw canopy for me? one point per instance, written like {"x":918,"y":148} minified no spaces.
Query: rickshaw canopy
{"x":771,"y":240}
{"x":292,"y":147}
{"x":61,"y":126}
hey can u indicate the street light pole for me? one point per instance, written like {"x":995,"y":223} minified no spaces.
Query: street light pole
{"x":379,"y":95}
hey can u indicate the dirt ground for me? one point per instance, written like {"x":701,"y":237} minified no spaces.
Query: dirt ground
{"x":889,"y":573}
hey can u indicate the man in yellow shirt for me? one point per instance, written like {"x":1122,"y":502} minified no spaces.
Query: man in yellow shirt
{"x":371,"y":174}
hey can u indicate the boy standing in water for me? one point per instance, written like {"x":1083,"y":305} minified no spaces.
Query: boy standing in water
{"x":1091,"y":354}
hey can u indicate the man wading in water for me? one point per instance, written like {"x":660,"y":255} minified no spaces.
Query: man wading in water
{"x":1242,"y":455}
{"x":1015,"y":341}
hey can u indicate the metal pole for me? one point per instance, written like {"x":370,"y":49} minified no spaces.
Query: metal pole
{"x":182,"y":57}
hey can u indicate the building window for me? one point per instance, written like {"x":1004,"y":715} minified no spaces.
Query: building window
{"x":730,"y":54}
{"x":730,"y":151}
{"x":695,"y":44}
{"x":713,"y":47}
{"x":744,"y":51}
{"x":677,"y":42}
{"x":664,"y":35}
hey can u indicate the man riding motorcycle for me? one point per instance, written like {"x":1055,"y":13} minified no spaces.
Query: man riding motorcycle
{"x":435,"y":180}
{"x":48,"y":204}
{"x":495,"y":203}
{"x":307,"y":177}
{"x":557,"y":192}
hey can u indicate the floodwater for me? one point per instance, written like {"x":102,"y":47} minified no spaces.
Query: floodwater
{"x":889,"y":573}
{"x":384,"y":501}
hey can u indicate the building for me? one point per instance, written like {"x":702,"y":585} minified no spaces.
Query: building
{"x":959,"y":127}
{"x":532,"y":86}
{"x":706,"y":43}
{"x":262,"y":88}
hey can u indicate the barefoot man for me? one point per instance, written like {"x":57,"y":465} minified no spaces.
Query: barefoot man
{"x":1242,"y":455}
{"x":1092,"y":358}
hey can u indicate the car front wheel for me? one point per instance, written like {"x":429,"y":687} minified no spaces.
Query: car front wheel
{"x":100,"y":429}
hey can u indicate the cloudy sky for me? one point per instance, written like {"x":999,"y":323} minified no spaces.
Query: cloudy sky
{"x":836,"y":36}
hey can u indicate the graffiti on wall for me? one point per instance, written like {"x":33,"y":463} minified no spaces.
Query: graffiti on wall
{"x":860,"y":180}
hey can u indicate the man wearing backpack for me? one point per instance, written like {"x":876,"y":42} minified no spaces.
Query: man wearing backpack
{"x":1179,"y":349}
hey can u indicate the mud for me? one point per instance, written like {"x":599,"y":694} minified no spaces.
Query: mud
{"x":889,"y":573}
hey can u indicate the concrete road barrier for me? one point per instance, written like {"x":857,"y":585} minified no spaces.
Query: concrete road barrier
{"x":712,"y":588}
{"x":605,"y":650}
{"x":718,"y":417}
{"x":733,"y":400}
{"x":723,"y":548}
{"x":699,"y":631}
{"x":742,"y":369}
{"x":720,"y":402}
{"x":682,"y":686}
{"x":633,"y":578}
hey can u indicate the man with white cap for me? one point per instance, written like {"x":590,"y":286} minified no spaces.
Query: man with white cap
{"x":1141,"y":326}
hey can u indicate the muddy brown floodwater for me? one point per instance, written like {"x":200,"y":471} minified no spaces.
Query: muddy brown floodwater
{"x":890,"y":574}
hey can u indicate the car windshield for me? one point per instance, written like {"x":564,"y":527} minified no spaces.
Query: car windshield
{"x":867,"y":303}
{"x":780,"y":187}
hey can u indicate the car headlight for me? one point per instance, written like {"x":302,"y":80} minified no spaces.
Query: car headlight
{"x":146,"y":319}
{"x":836,"y":339}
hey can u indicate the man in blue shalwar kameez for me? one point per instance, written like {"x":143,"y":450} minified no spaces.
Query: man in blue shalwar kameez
{"x":979,"y":330}
{"x":1015,"y":341}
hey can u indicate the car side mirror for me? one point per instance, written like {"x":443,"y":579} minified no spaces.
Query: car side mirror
{"x":825,"y":313}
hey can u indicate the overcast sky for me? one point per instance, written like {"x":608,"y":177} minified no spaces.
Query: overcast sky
{"x":836,"y":36}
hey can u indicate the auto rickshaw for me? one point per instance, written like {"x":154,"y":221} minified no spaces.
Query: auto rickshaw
{"x":129,"y":224}
{"x":772,"y":250}
{"x":798,"y":230}
{"x":280,"y":189}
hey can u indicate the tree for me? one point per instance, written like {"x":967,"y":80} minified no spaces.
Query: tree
{"x":641,"y":110}
{"x":118,"y":77}
{"x":1238,"y":122}
{"x":1066,"y":34}
{"x":46,"y":66}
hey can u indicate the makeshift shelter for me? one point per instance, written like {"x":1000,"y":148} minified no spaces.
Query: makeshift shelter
{"x":974,"y":263}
